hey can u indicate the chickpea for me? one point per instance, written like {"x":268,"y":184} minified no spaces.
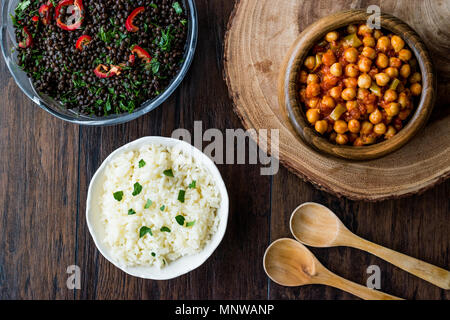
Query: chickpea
{"x":376,"y":117}
{"x":331,"y":36}
{"x":312,"y":90}
{"x":397,"y":43}
{"x":403,"y":100}
{"x":310,"y":62}
{"x":366,"y":127}
{"x":382,"y":61}
{"x":405,"y":55}
{"x":302,"y":94}
{"x":395,"y":62}
{"x":341,"y":139}
{"x":416,"y":77}
{"x":333,"y":136}
{"x":377,"y":34}
{"x":369,"y":53}
{"x":364,"y":64}
{"x":352,"y":29}
{"x":335,"y":92}
{"x":351,"y":105}
{"x":371,"y":107}
{"x":358,"y":142}
{"x":369,"y":41}
{"x":321,"y":126}
{"x":390,"y":95}
{"x":405,"y":70}
{"x":382,"y":79}
{"x":340,"y":126}
{"x":362,"y":93}
{"x":390,"y":132}
{"x":380,"y":128}
{"x":383,"y":44}
{"x":351,"y":70}
{"x":348,"y":94}
{"x":351,"y":55}
{"x":313,"y":115}
{"x":328,"y":102}
{"x":336,"y":69}
{"x":351,"y":82}
{"x":403,"y":115}
{"x":313,"y":102}
{"x":416,"y":89}
{"x":364,"y":29}
{"x":392,"y":72}
{"x":354,"y":126}
{"x":312,"y":78}
{"x":364,"y":81}
{"x":303,"y":76}
{"x":392,"y":109}
{"x":328,"y":58}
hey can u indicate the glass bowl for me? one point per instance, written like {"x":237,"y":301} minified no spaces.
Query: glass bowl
{"x":8,"y":44}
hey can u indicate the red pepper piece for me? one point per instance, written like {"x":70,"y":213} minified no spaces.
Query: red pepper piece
{"x":105,"y":73}
{"x":35,"y":19}
{"x":82,"y":41}
{"x":141,"y":53}
{"x":66,"y":3}
{"x":129,"y":23}
{"x":28,"y":40}
{"x":44,"y":12}
{"x":132,"y":59}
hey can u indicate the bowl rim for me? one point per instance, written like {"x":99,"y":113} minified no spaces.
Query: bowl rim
{"x":110,"y":120}
{"x":198,"y":258}
{"x":288,"y":97}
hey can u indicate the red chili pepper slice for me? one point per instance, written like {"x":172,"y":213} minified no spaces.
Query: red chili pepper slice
{"x":66,"y":3}
{"x":129,"y":23}
{"x":141,"y":53}
{"x":28,"y":40}
{"x":132,"y":58}
{"x":44,"y":12}
{"x":114,"y":70}
{"x":35,"y":19}
{"x":82,"y":41}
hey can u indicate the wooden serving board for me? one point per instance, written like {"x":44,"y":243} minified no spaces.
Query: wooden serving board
{"x":260,"y":34}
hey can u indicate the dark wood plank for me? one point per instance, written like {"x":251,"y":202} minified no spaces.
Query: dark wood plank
{"x":202,"y":97}
{"x":38,"y":197}
{"x":417,"y":226}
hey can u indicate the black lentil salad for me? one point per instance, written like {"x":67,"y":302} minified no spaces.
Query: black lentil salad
{"x":101,"y":57}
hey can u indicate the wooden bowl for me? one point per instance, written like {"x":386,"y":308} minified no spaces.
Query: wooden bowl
{"x":289,"y":96}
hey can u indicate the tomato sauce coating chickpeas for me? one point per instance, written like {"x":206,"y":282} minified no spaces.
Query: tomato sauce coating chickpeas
{"x":357,"y":86}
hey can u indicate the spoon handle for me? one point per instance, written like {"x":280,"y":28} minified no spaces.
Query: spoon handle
{"x":423,"y":270}
{"x":358,"y":290}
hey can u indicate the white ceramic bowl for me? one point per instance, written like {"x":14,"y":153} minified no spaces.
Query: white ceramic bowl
{"x":184,"y":264}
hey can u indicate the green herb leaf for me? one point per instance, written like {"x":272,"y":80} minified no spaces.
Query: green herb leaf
{"x":181,"y":195}
{"x":168,"y":173}
{"x":144,"y":230}
{"x":183,"y":22}
{"x":193,"y":184}
{"x":148,"y":204}
{"x":165,"y":229}
{"x":153,"y":5}
{"x":118,"y":195}
{"x":162,"y":208}
{"x":177,"y":7}
{"x":141,"y":163}
{"x":137,"y":189}
{"x":180,"y":219}
{"x":190,"y":224}
{"x":131,"y":212}
{"x":153,"y":254}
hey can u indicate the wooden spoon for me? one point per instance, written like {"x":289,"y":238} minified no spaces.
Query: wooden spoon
{"x":289,"y":263}
{"x":317,"y":226}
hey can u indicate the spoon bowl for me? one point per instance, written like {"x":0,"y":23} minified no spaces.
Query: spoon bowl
{"x":315,"y":225}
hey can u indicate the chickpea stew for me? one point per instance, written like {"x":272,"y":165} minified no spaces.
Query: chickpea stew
{"x":358,"y":85}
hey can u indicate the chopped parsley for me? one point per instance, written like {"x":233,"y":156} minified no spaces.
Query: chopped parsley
{"x":153,"y":254}
{"x":131,"y":212}
{"x":148,"y":204}
{"x":181,"y":195}
{"x":168,"y":173}
{"x":190,"y":224}
{"x":118,"y":195}
{"x":180,"y":219}
{"x":165,"y":229}
{"x":137,"y":189}
{"x":144,"y":230}
{"x":193,"y":184}
{"x":177,"y":7}
{"x":162,"y":208}
{"x":141,"y":163}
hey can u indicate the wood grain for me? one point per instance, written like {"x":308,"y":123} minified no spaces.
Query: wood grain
{"x":258,"y":39}
{"x":42,"y":231}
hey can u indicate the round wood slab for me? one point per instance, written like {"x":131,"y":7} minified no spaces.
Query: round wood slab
{"x":260,"y":34}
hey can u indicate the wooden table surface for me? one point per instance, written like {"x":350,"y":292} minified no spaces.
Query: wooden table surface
{"x":46,"y":166}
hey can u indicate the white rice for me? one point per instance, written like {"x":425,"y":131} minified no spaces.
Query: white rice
{"x":123,"y":230}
